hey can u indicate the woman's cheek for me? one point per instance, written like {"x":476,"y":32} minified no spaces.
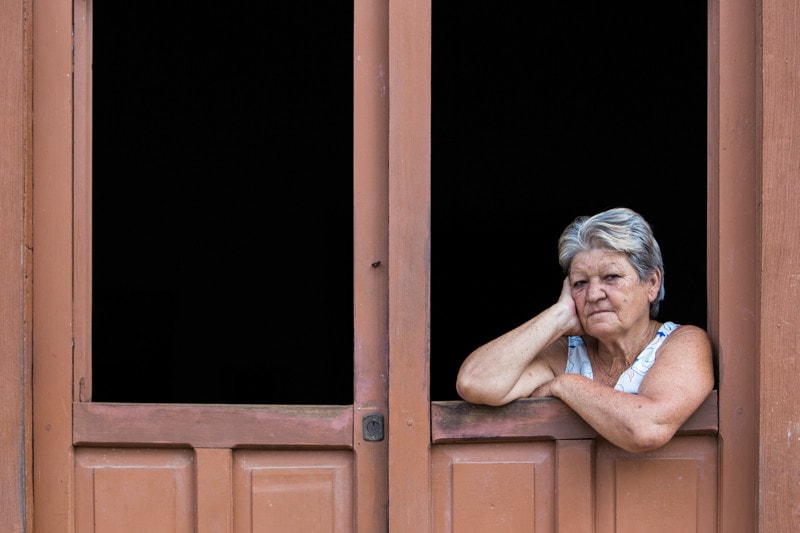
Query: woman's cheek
{"x":578,"y":298}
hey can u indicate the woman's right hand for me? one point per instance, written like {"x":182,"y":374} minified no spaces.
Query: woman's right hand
{"x":566,"y":301}
{"x":514,"y":364}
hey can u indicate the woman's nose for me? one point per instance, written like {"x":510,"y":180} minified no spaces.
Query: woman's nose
{"x":595,"y":291}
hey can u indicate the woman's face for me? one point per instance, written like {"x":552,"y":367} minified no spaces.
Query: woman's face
{"x":609,"y":298}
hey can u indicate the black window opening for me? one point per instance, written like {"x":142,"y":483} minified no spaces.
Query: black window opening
{"x":540,"y":113}
{"x":544,"y":112}
{"x":222,"y":203}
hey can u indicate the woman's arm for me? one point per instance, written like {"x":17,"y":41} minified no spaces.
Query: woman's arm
{"x":676,"y":385}
{"x":514,"y":364}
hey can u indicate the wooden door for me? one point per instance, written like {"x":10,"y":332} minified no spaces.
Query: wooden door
{"x":532,"y":465}
{"x":124,"y":466}
{"x":441,"y":465}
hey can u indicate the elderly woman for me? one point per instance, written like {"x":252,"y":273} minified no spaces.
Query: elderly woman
{"x":599,"y":348}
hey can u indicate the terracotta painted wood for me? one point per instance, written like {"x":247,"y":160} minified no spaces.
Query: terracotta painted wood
{"x":575,"y":485}
{"x":82,"y":200}
{"x":172,"y":490}
{"x":779,"y":395}
{"x":670,"y":489}
{"x":134,"y":490}
{"x":575,"y":481}
{"x":214,"y":491}
{"x":752,"y":187}
{"x":508,"y":487}
{"x":293,"y":490}
{"x":545,"y":418}
{"x":371,"y":257}
{"x":226,"y":478}
{"x":733,"y":252}
{"x":53,"y":469}
{"x":409,"y":265}
{"x":212,"y":426}
{"x":15,"y":265}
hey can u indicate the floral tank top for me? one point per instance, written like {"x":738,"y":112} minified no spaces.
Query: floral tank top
{"x":578,"y":360}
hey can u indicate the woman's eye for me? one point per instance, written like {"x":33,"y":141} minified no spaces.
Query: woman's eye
{"x":578,"y":284}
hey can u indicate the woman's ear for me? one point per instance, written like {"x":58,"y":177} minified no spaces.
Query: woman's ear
{"x":654,"y":285}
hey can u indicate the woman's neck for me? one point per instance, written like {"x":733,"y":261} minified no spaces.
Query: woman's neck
{"x":617,"y":355}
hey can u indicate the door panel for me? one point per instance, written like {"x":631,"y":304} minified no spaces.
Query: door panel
{"x":575,"y":485}
{"x":135,"y":490}
{"x":155,"y":490}
{"x":535,"y":464}
{"x":671,"y":489}
{"x":290,"y":490}
{"x":507,"y":487}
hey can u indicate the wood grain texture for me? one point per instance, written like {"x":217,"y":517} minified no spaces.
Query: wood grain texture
{"x":545,"y":418}
{"x":212,"y":426}
{"x":779,"y":442}
{"x":53,"y":468}
{"x":409,"y":265}
{"x":15,"y":265}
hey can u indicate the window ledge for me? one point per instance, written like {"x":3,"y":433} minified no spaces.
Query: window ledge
{"x":533,"y":419}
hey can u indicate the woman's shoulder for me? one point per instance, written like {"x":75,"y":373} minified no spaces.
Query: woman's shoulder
{"x":683,"y":329}
{"x":685,"y":360}
{"x":685,"y":335}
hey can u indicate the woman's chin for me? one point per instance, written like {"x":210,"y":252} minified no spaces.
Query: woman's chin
{"x":598,"y":326}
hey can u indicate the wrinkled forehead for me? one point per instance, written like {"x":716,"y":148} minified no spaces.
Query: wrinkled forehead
{"x":599,"y":260}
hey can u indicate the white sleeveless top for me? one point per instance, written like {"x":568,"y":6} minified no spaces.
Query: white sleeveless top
{"x":578,"y":360}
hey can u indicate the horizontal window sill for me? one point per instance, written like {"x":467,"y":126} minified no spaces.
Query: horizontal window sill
{"x":540,"y":418}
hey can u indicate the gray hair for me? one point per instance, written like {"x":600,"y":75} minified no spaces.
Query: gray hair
{"x":619,"y":230}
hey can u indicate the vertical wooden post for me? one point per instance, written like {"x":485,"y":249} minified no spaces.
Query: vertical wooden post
{"x":733,"y":253}
{"x":779,"y":339}
{"x":15,"y":265}
{"x":409,"y":265}
{"x":371,"y":256}
{"x":52,"y":266}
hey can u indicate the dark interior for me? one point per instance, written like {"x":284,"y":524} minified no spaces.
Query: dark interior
{"x":222,"y":186}
{"x":223,"y":194}
{"x":545,"y":113}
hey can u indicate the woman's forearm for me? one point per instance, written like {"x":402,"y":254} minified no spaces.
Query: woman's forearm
{"x":500,"y":370}
{"x":633,"y":422}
